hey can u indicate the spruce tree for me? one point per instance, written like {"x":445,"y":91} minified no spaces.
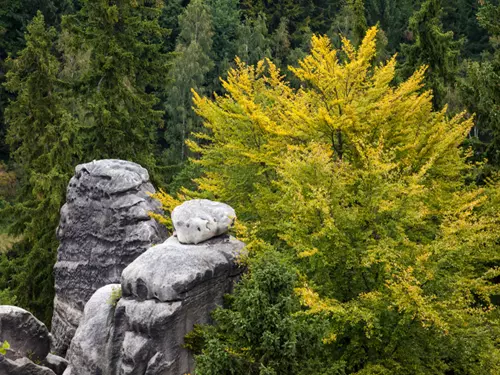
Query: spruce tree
{"x":225,"y":16}
{"x":350,"y":22}
{"x":43,"y":139}
{"x":116,"y":86}
{"x":281,"y":43}
{"x":480,"y":91}
{"x":392,"y":16}
{"x":254,"y":42}
{"x":190,"y":68}
{"x":15,"y":15}
{"x":434,"y":47}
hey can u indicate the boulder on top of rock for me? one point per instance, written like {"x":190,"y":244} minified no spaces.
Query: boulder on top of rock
{"x":27,"y":336}
{"x":166,"y":291}
{"x":198,"y":220}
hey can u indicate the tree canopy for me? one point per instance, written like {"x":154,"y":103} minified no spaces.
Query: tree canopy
{"x":365,"y":188}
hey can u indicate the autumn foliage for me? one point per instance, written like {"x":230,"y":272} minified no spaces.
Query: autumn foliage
{"x":364,"y":187}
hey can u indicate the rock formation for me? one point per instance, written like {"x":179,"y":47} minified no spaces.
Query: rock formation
{"x":104,"y":226}
{"x":29,"y":342}
{"x":166,"y":290}
{"x":198,"y":220}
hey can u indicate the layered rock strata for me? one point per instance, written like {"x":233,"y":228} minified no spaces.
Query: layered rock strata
{"x":166,"y":291}
{"x":104,"y":226}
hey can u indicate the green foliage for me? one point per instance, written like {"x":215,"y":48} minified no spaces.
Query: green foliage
{"x":480,"y":92}
{"x":253,"y":40}
{"x":393,"y":17}
{"x":5,"y":346}
{"x":190,"y":68}
{"x":433,"y":47}
{"x":116,"y":294}
{"x":280,"y":41}
{"x":7,"y":297}
{"x":366,"y":189}
{"x":262,"y":332}
{"x":115,"y":83}
{"x":42,"y":137}
{"x":225,"y":17}
{"x":460,"y":17}
{"x":15,"y":15}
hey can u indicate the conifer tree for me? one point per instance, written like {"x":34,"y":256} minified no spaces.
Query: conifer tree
{"x":225,"y":18}
{"x":169,"y":20}
{"x":189,"y":71}
{"x":253,"y":40}
{"x":392,"y":16}
{"x":15,"y":15}
{"x":480,"y":91}
{"x":43,"y":139}
{"x":433,"y":47}
{"x":281,"y":43}
{"x":350,"y":22}
{"x":117,"y":83}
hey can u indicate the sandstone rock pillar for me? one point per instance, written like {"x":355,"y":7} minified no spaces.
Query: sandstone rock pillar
{"x":104,"y":226}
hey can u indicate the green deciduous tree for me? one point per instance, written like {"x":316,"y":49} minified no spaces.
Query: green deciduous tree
{"x":42,"y":135}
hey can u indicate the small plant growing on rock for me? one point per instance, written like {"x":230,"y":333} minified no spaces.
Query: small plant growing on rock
{"x":5,"y":346}
{"x":116,"y":294}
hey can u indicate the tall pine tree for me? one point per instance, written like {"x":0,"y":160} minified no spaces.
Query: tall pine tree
{"x":434,"y":47}
{"x":189,"y":71}
{"x":125,"y":65}
{"x":254,"y":42}
{"x":42,"y":136}
{"x":15,"y":15}
{"x":480,"y":90}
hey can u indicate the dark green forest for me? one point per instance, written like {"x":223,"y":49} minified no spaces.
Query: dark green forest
{"x":94,"y":79}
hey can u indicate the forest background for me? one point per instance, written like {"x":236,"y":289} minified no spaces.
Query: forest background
{"x":92,"y":79}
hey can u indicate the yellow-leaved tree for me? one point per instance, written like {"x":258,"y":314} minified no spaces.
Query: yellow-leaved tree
{"x":365,"y":189}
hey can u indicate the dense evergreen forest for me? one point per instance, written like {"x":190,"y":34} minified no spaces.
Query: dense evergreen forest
{"x":372,"y":204}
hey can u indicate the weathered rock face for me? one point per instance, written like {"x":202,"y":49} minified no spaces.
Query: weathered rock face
{"x":29,"y":342}
{"x":104,"y":226}
{"x":27,"y":336}
{"x":22,"y":366}
{"x":55,"y":363}
{"x":166,"y":291}
{"x":198,"y":220}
